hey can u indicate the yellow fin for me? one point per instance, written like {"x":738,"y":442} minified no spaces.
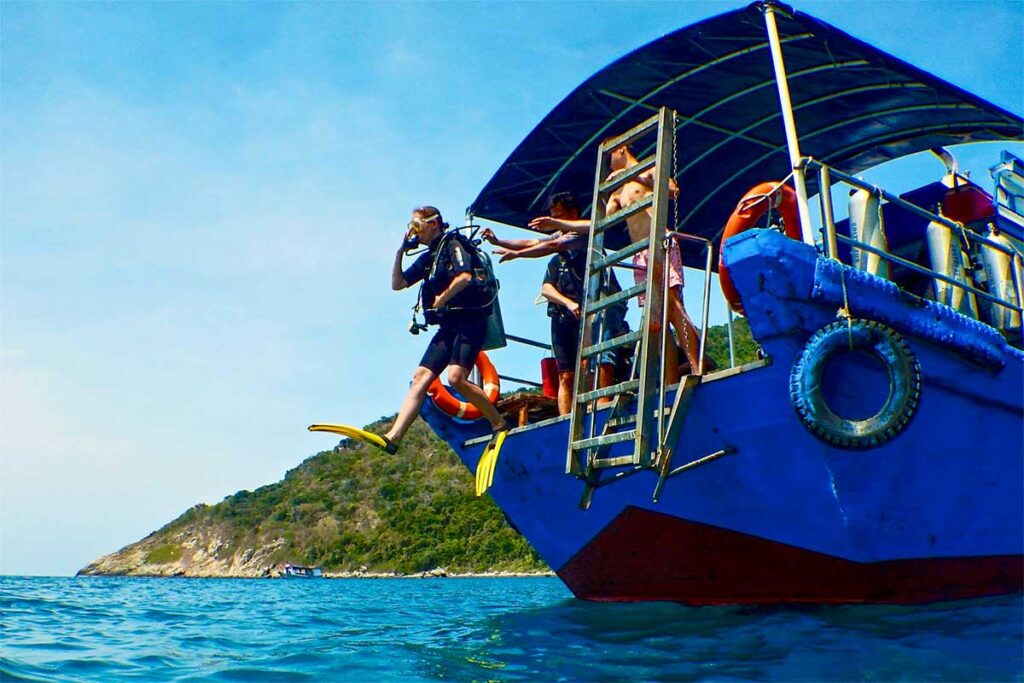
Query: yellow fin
{"x":495,"y":450}
{"x":488,"y":460}
{"x":481,"y":470}
{"x":357,"y":434}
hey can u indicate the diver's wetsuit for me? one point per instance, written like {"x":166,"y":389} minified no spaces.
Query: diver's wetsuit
{"x":463,"y":322}
{"x":565,"y":273}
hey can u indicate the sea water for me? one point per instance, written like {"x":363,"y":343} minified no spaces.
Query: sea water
{"x":475,"y":629}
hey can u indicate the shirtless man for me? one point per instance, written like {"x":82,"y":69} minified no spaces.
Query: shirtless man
{"x":639,"y":227}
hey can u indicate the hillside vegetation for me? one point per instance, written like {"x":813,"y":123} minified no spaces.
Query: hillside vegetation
{"x":354,"y":509}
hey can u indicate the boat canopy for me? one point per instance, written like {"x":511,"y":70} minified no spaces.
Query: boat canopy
{"x":854,"y":105}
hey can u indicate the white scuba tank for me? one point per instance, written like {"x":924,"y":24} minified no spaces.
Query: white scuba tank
{"x":999,"y":279}
{"x":949,"y":259}
{"x":867,"y":227}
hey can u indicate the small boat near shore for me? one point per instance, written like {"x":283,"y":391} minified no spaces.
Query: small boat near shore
{"x":874,"y":454}
{"x":297,"y":571}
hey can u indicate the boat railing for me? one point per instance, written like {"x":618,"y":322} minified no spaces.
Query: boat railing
{"x":525,"y":342}
{"x":709,"y":253}
{"x":832,"y":238}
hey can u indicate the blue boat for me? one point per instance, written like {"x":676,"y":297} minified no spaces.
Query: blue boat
{"x":875,"y":452}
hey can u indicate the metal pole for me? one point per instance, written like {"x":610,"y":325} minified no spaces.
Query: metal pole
{"x":528,"y":342}
{"x":1018,"y":281}
{"x":827,"y":214}
{"x":707,"y":305}
{"x":732,"y":344}
{"x":666,"y":334}
{"x":795,"y":158}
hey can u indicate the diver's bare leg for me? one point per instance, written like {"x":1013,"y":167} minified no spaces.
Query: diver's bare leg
{"x":421,"y":379}
{"x":458,"y":377}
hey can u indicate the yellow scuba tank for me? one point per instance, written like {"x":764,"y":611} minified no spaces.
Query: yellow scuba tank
{"x":948,"y":258}
{"x":999,"y":280}
{"x":868,"y":227}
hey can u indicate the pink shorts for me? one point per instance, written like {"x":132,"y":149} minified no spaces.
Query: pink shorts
{"x":675,"y":269}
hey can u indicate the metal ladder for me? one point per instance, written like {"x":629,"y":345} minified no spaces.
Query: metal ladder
{"x":637,"y":415}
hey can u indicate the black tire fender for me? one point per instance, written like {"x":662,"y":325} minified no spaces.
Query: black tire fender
{"x":807,"y":395}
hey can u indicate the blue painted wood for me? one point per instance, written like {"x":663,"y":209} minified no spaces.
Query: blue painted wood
{"x":950,"y":485}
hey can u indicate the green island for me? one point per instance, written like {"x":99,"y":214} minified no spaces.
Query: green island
{"x":354,"y":511}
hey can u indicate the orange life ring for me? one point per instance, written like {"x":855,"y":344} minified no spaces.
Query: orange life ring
{"x":450,"y":405}
{"x":781,"y":198}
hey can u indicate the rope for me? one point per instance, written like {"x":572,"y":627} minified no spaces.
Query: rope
{"x":753,"y":200}
{"x":844,"y":310}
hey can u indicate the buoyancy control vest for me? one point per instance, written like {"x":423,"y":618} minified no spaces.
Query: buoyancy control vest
{"x":570,"y":267}
{"x":479,"y":297}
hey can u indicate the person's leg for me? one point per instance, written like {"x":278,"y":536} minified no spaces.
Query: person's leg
{"x":671,"y":359}
{"x":605,"y":378}
{"x":566,"y":387}
{"x":468,"y":342}
{"x":672,"y":371}
{"x":421,"y":380}
{"x":434,"y":360}
{"x":564,"y":345}
{"x":458,"y":378}
{"x":685,"y":331}
{"x":613,"y":326}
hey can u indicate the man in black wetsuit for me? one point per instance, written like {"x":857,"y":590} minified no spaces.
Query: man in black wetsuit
{"x":451,"y":298}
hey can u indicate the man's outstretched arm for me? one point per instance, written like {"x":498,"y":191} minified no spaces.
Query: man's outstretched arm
{"x":543,"y":248}
{"x":549,"y":224}
{"x":489,"y":236}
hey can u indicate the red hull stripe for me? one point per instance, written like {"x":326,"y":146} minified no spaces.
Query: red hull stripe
{"x":645,"y":555}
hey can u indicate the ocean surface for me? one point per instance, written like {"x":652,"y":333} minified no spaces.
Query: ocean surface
{"x":113,"y":629}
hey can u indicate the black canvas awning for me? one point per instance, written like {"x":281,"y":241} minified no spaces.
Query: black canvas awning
{"x":855,"y":106}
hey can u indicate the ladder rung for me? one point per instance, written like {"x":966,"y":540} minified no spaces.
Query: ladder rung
{"x":620,"y":421}
{"x":617,"y":461}
{"x":621,"y":388}
{"x":631,"y":419}
{"x":630,"y":135}
{"x":604,"y":440}
{"x":615,"y":298}
{"x":623,"y":178}
{"x":620,"y":255}
{"x":612,"y":343}
{"x":623,"y":214}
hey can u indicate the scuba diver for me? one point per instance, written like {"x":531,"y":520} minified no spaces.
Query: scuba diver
{"x":459,"y":304}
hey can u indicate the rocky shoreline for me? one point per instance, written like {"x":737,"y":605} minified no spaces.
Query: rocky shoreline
{"x":436,"y":573}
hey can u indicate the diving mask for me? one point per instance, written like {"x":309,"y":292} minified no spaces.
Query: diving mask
{"x":412,"y":235}
{"x":414,"y":229}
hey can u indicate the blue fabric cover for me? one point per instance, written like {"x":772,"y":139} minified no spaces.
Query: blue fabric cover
{"x":855,"y":107}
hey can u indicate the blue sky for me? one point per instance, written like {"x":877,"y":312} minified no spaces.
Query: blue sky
{"x":200,"y":204}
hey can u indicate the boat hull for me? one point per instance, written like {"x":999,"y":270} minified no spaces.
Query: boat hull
{"x":936,"y":513}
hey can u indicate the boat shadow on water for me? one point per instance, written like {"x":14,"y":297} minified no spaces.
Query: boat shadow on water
{"x":577,"y":640}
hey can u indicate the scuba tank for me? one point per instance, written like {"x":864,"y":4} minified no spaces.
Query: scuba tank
{"x":487,"y":286}
{"x":948,"y":258}
{"x":868,"y":227}
{"x":997,"y":266}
